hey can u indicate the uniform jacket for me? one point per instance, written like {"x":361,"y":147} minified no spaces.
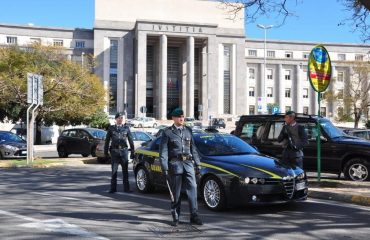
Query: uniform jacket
{"x":172,"y":145}
{"x":119,"y":136}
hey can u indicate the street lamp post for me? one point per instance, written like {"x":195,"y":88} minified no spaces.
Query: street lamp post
{"x":263,"y":94}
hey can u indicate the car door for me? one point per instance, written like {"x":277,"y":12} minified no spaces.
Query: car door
{"x":84,"y":142}
{"x":155,"y":163}
{"x":71,"y":141}
{"x":271,"y":145}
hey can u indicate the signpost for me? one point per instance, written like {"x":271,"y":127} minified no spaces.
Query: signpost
{"x":319,"y":74}
{"x":35,"y":97}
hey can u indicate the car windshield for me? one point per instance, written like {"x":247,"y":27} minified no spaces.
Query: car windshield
{"x":96,"y":133}
{"x":331,"y":130}
{"x":10,"y":137}
{"x":221,"y":144}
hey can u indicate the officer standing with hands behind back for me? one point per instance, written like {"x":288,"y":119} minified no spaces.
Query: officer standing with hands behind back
{"x":178,"y":157}
{"x":117,"y":137}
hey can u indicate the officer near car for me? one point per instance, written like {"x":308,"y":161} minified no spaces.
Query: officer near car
{"x":116,"y":143}
{"x":180,"y":162}
{"x":294,"y":138}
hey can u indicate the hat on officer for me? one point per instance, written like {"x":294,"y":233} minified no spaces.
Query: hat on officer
{"x":290,"y":113}
{"x":177,"y":112}
{"x":119,"y":114}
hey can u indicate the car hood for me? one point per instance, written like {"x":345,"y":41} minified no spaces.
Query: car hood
{"x":352,"y":141}
{"x":250,"y":165}
{"x":15,"y":144}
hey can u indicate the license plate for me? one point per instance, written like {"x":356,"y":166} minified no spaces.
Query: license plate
{"x":300,"y":186}
{"x":24,"y":152}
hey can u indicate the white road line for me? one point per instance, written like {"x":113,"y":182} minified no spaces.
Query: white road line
{"x":338,"y":204}
{"x":54,"y":225}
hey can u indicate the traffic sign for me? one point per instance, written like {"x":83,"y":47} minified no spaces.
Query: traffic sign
{"x":35,"y":89}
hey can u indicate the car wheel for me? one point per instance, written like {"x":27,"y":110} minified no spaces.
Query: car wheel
{"x":140,"y":126}
{"x":93,"y":152}
{"x":142,"y":180}
{"x":85,"y":155}
{"x":213,"y":193}
{"x":62,"y":152}
{"x":357,"y":169}
{"x":154,"y":125}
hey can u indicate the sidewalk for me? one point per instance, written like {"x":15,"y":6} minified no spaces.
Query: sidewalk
{"x":340,"y":190}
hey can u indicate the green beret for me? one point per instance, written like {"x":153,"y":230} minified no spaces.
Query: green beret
{"x":177,"y":112}
{"x":118,"y":115}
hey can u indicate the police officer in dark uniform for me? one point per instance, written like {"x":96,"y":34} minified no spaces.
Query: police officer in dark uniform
{"x":178,"y":158}
{"x":116,"y":137}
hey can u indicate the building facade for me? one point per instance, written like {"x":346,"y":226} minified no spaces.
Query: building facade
{"x":189,"y":53}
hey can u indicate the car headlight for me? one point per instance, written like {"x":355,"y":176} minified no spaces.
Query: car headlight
{"x":10,"y":147}
{"x":301,"y":176}
{"x":248,"y":180}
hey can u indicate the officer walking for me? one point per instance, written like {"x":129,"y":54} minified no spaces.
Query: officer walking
{"x":116,"y":137}
{"x":294,"y":138}
{"x":178,"y":157}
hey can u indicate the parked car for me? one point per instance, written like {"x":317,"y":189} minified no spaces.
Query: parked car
{"x":12,"y":146}
{"x":339,"y":151}
{"x":218,"y":122}
{"x":79,"y":141}
{"x":142,"y":122}
{"x":361,"y":133}
{"x":233,"y":173}
{"x":139,"y":137}
{"x":189,"y":121}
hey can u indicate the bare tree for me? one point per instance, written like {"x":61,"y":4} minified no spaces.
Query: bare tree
{"x":282,"y":9}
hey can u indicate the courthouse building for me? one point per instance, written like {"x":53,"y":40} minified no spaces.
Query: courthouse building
{"x":154,"y":55}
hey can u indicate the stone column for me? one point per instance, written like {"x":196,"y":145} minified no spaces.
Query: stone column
{"x":297,"y":91}
{"x":120,"y":70}
{"x":141,"y":72}
{"x":190,"y":77}
{"x":281,"y":88}
{"x":162,"y":101}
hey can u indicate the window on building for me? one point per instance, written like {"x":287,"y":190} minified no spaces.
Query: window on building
{"x":227,"y":78}
{"x":251,"y":91}
{"x":35,"y":40}
{"x":305,"y":92}
{"x":269,"y":73}
{"x":269,"y":92}
{"x":305,"y":110}
{"x":113,"y":76}
{"x":58,"y":43}
{"x":323,"y":111}
{"x":252,"y":109}
{"x":252,"y":53}
{"x":341,"y":57}
{"x":287,"y":92}
{"x":11,"y":40}
{"x":340,"y":76}
{"x":271,"y":54}
{"x":288,"y":54}
{"x":340,"y":94}
{"x":80,"y":44}
{"x":305,"y":55}
{"x":359,"y":57}
{"x":288,"y":108}
{"x":252,"y":73}
{"x":287,"y":74}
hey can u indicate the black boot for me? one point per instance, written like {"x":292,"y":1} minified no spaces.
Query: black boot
{"x":175,"y":218}
{"x":195,"y":219}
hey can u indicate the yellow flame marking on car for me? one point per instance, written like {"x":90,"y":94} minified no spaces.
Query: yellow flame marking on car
{"x":148,"y":153}
{"x":273,"y":175}
{"x":155,"y":168}
{"x":217,"y":168}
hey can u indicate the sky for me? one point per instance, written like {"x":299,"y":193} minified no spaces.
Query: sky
{"x":316,"y":20}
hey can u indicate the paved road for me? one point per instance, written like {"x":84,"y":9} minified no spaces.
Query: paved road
{"x":72,"y":203}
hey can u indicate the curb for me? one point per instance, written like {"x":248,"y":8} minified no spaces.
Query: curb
{"x":340,"y":197}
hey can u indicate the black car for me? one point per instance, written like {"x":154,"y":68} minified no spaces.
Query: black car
{"x":12,"y":146}
{"x":339,"y":151}
{"x":79,"y":141}
{"x":233,"y":173}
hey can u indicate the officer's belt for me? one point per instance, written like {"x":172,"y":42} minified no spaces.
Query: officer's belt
{"x":181,"y":157}
{"x":119,"y":146}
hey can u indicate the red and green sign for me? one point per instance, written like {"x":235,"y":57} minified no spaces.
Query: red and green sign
{"x":319,"y":68}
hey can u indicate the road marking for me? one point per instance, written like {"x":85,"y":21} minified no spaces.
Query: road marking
{"x":70,"y":198}
{"x":338,"y":204}
{"x":54,"y":225}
